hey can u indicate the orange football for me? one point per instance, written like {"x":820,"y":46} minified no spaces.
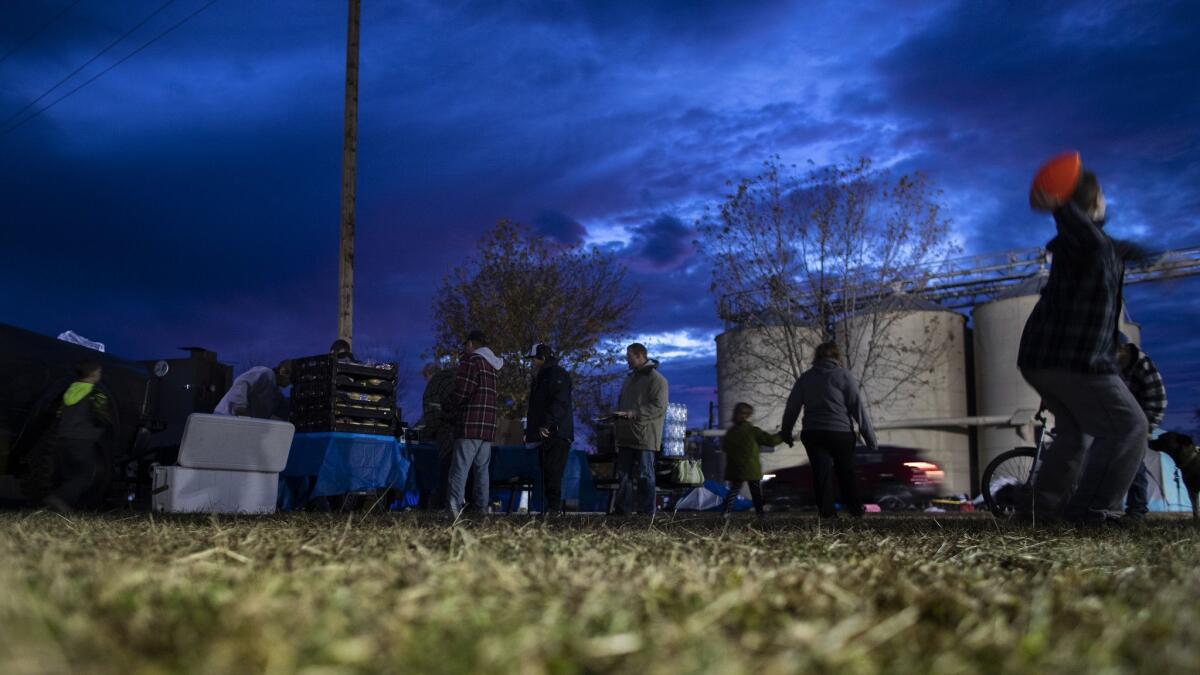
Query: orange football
{"x":1056,"y":181}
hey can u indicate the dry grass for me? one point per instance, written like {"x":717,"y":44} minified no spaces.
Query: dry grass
{"x":330,"y":594}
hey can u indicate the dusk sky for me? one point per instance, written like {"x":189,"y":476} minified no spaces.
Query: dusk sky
{"x":191,"y":195}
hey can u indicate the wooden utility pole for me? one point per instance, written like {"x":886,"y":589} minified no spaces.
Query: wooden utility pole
{"x":349,"y":155}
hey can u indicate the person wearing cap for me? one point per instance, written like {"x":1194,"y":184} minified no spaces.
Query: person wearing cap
{"x":1068,"y":354}
{"x":472,"y":403}
{"x":550,"y":421}
{"x":1146,"y":384}
{"x":340,"y":350}
{"x":641,"y":412}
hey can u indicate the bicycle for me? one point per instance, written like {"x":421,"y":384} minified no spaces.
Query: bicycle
{"x":1008,"y":478}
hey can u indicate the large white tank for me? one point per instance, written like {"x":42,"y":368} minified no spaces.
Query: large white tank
{"x":751,"y":368}
{"x":1000,"y":389}
{"x":915,"y":369}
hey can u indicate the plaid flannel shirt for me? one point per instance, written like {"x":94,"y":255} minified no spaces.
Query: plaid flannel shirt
{"x":474,"y":398}
{"x":1146,"y":384}
{"x":1074,"y":325}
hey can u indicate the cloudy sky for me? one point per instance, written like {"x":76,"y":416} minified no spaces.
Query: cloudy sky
{"x":190,"y":196}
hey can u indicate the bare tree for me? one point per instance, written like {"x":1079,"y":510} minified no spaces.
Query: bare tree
{"x":520,"y":289}
{"x":832,"y":253}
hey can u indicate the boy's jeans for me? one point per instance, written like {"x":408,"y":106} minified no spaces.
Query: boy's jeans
{"x":1137,"y":502}
{"x":1088,"y":409}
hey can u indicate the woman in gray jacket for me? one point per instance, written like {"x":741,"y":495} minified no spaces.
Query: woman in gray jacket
{"x":829,"y":397}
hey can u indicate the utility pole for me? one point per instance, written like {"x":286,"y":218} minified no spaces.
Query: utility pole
{"x":349,"y":155}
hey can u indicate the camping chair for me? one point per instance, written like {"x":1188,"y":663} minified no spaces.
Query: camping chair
{"x":515,"y":486}
{"x":607,"y":462}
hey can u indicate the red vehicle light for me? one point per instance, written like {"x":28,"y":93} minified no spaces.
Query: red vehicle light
{"x":931,"y":471}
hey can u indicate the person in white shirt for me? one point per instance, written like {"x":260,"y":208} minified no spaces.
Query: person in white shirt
{"x":257,"y":393}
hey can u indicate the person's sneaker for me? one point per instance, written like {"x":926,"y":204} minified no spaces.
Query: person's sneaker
{"x":1126,"y":522}
{"x":1095,"y":521}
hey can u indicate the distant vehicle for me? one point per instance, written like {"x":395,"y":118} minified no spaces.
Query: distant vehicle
{"x":896,"y":478}
{"x":34,"y":370}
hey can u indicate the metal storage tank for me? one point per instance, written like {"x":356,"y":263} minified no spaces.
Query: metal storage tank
{"x":743,"y":357}
{"x":912,"y":330}
{"x":1000,"y":389}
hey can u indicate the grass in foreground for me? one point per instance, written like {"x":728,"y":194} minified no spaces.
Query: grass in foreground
{"x":412,"y":594}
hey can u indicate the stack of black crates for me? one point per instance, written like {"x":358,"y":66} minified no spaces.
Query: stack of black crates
{"x":339,"y":395}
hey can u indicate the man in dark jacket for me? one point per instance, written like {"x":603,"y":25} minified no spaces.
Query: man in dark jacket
{"x":473,"y":405}
{"x":1068,"y":354}
{"x":438,"y":424}
{"x":550,"y":422}
{"x":1146,"y":384}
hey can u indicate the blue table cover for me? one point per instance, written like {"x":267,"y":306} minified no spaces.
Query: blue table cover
{"x":341,"y":462}
{"x":334,"y":463}
{"x":513,"y":461}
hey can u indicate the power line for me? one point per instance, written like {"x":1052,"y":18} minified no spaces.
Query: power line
{"x":87,"y":63}
{"x":98,"y":75}
{"x":38,"y":32}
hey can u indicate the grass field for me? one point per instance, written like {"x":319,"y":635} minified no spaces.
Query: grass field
{"x":412,"y":594}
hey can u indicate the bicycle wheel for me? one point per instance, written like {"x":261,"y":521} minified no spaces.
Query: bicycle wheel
{"x":1005,"y":479}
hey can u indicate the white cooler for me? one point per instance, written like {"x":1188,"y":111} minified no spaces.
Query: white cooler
{"x":226,"y":465}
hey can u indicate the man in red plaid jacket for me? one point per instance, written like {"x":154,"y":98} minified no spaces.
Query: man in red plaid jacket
{"x":473,"y":405}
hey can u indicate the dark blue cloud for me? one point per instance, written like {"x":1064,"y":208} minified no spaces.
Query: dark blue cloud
{"x":559,"y":227}
{"x":663,"y":243}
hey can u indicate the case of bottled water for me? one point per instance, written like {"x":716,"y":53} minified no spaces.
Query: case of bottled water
{"x":675,"y":430}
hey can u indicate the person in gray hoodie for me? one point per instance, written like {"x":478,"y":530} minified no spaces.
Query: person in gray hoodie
{"x":828,"y":394}
{"x":641,"y":411}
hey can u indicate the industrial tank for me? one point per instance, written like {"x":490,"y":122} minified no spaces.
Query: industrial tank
{"x":910,"y":358}
{"x":750,"y":369}
{"x":1000,"y":389}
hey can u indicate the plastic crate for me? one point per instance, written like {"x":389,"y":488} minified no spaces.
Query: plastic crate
{"x":326,"y":367}
{"x":321,"y":393}
{"x":379,"y":427}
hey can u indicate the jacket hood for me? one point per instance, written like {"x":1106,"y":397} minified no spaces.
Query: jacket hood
{"x":826,"y":364}
{"x":495,"y":361}
{"x":77,"y":392}
{"x":649,"y":366}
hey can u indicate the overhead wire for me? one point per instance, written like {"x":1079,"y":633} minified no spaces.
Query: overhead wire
{"x":87,"y":63}
{"x":39,"y":31}
{"x":100,"y":74}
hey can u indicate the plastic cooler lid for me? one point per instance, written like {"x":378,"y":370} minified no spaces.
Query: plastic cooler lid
{"x":235,"y":443}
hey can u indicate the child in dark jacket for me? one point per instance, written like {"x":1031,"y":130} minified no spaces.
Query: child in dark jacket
{"x":65,"y":465}
{"x":742,"y":463}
